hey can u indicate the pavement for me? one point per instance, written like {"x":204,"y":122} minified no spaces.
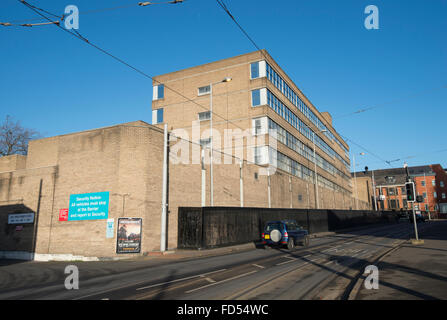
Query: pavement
{"x":413,"y":272}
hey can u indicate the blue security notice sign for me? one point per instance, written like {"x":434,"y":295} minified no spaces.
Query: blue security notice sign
{"x":88,"y":206}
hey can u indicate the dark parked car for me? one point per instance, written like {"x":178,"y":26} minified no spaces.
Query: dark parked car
{"x":419,"y":218}
{"x":285,"y":232}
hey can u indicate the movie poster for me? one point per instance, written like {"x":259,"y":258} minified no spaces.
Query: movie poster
{"x":129,"y":235}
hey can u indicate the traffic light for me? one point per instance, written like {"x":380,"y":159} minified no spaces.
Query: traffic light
{"x":411,"y":195}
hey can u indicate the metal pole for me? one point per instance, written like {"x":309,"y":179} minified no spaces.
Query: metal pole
{"x":203,"y":179}
{"x":415,"y":226}
{"x":316,"y":176}
{"x":374,"y":190}
{"x":241,"y":183}
{"x":268,"y":187}
{"x":211,"y":154}
{"x":426,"y":198}
{"x":355,"y":184}
{"x":165,"y":189}
{"x":290,"y":191}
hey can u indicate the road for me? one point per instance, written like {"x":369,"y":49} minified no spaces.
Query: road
{"x":324,"y":270}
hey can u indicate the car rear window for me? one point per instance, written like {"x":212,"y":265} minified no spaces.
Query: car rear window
{"x":273,"y":226}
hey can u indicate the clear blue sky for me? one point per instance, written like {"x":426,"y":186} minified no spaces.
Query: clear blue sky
{"x":56,"y":84}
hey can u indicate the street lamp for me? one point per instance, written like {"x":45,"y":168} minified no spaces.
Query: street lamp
{"x":227,"y":79}
{"x":355,"y":180}
{"x":315,"y":163}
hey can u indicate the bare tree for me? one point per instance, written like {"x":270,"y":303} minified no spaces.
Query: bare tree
{"x":14,"y":138}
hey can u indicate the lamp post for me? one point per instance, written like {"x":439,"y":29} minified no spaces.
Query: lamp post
{"x":315,"y":169}
{"x":355,"y":180}
{"x":211,"y":138}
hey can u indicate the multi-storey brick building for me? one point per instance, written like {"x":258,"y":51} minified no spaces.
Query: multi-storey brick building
{"x":69,"y":196}
{"x":260,"y":97}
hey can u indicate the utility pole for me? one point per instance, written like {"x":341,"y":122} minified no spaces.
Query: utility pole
{"x":241,"y":183}
{"x":417,"y":241}
{"x":165,"y":191}
{"x":203,"y":178}
{"x":374,"y":190}
{"x":426,"y":198}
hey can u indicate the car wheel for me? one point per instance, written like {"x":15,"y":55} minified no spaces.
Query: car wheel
{"x":291,"y":244}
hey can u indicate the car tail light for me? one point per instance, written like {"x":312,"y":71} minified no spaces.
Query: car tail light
{"x":262,"y":236}
{"x":286,"y":234}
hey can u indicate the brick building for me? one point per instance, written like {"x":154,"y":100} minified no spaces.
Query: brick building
{"x":259,"y":98}
{"x":77,"y":196}
{"x":430,"y":182}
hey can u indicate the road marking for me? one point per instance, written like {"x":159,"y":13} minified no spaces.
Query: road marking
{"x":257,"y":265}
{"x":329,"y":262}
{"x":177,"y":280}
{"x":308,"y":255}
{"x":210,"y":280}
{"x":219,"y":282}
{"x":281,"y":263}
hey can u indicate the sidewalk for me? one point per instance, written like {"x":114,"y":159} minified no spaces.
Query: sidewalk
{"x":414,"y":272}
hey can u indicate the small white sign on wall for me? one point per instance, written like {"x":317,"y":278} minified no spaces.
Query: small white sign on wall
{"x":19,"y":218}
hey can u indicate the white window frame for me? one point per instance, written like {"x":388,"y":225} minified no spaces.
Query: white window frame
{"x":205,"y":93}
{"x":205,"y":112}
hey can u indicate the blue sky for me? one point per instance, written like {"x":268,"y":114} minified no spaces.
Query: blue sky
{"x":56,"y":84}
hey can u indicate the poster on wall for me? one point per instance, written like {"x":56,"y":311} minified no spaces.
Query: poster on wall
{"x":88,"y":206}
{"x":128,"y":238}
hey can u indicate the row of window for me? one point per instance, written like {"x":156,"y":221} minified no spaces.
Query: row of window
{"x":299,"y":147}
{"x":276,"y":105}
{"x":291,"y":166}
{"x":394,"y":192}
{"x":282,"y":86}
{"x":433,"y":183}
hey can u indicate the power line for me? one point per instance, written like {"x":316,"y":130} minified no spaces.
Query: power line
{"x":134,"y":5}
{"x":390,"y":102}
{"x":225,"y":8}
{"x":79,"y":36}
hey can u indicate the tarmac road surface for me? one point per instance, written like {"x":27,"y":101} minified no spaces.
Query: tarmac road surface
{"x":324,"y":270}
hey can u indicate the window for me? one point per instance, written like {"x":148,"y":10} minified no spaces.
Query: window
{"x":441,"y":183}
{"x":443,"y":195}
{"x":426,"y":207}
{"x":258,"y":126}
{"x":157,"y":116}
{"x":203,"y":116}
{"x":391,"y":191}
{"x":425,"y":195}
{"x":254,"y":70}
{"x":435,"y":195}
{"x":433,"y":183}
{"x":256,"y":98}
{"x":300,"y":197}
{"x":204,"y":90}
{"x":158,"y":92}
{"x":205,"y":143}
{"x":423,"y":183}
